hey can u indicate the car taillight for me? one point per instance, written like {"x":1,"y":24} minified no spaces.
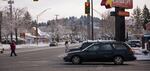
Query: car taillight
{"x":130,"y":51}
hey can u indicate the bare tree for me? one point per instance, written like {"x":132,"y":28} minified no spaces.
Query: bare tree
{"x":108,"y":25}
{"x":6,"y":27}
{"x":17,"y":20}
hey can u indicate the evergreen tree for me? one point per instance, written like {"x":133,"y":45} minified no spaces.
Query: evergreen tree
{"x":137,"y":21}
{"x":145,"y":16}
{"x":27,"y":24}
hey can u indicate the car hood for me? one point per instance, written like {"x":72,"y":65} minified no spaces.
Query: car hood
{"x":74,"y":49}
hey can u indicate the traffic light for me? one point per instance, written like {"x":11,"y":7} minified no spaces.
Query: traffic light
{"x":87,"y":7}
{"x":35,"y":0}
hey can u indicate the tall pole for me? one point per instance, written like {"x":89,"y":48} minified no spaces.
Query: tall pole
{"x":92,"y":32}
{"x":10,"y":2}
{"x":57,"y":36}
{"x":37,"y":19}
{"x":88,"y":25}
{"x":0,"y":25}
{"x":37,"y":30}
{"x":119,"y":25}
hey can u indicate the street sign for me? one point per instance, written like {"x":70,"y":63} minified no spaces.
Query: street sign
{"x":112,"y":13}
{"x":120,"y":13}
{"x":127,"y":4}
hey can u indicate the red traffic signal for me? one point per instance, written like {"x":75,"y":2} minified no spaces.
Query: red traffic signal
{"x":87,"y":7}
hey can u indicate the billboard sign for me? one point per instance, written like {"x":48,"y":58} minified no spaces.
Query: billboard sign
{"x":127,"y":4}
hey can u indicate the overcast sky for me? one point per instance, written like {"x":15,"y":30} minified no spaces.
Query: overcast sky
{"x":64,"y":8}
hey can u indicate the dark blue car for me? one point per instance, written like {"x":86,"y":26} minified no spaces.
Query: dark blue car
{"x":101,"y":51}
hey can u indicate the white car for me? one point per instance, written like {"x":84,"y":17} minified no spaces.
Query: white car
{"x":136,"y":46}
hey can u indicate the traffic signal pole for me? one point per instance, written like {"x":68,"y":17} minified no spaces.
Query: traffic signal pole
{"x":88,"y":24}
{"x":88,"y":9}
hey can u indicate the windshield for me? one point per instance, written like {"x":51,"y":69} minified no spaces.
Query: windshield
{"x":86,"y":44}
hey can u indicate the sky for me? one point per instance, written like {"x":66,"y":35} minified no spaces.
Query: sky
{"x":64,"y":8}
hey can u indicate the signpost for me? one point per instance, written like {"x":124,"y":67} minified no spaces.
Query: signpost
{"x":119,"y":13}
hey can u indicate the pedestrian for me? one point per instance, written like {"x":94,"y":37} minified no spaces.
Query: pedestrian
{"x":66,"y":46}
{"x":13,"y":48}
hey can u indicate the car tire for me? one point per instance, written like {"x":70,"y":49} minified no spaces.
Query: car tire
{"x":76,"y":60}
{"x":118,"y":60}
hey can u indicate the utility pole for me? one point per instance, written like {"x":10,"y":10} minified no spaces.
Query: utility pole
{"x":10,"y":2}
{"x":92,"y":32}
{"x":56,"y":23}
{"x":0,"y":25}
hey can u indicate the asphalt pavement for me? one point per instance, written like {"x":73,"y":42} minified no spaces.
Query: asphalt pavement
{"x":48,"y":59}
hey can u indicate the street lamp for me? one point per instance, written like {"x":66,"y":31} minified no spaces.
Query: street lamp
{"x":37,"y":18}
{"x":10,"y":2}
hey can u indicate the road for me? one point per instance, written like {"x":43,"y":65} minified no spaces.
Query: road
{"x":48,"y":59}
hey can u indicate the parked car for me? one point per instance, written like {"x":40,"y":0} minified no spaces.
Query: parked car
{"x":136,"y":46}
{"x":101,"y":51}
{"x":84,"y":45}
{"x":53,"y":43}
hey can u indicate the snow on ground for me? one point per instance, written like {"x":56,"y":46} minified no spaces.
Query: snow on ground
{"x":143,"y":56}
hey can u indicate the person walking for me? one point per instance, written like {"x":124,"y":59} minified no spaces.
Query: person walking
{"x":66,"y":46}
{"x":13,"y":48}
